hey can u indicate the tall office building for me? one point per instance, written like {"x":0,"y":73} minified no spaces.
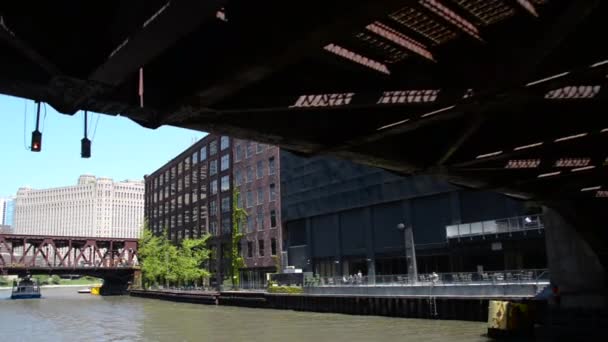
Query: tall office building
{"x":7,"y":209}
{"x":95,"y":207}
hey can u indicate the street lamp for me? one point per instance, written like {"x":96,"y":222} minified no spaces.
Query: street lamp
{"x":410,"y":251}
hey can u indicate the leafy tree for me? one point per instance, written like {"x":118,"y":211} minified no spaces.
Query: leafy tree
{"x":161,"y":260}
{"x":238,"y":220}
{"x":150,"y":253}
{"x":55,"y":280}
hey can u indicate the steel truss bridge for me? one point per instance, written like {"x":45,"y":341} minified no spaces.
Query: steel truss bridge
{"x":109,"y":258}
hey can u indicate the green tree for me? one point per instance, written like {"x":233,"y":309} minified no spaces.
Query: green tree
{"x":150,"y":253}
{"x":162,"y":261}
{"x":191,"y":256}
{"x":55,"y":280}
{"x":238,"y":220}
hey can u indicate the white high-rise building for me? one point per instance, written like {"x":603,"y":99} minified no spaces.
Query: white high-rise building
{"x":95,"y":207}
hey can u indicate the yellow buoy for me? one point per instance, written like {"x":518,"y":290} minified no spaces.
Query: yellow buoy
{"x":95,"y":290}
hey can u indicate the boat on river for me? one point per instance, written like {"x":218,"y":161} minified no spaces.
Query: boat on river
{"x":85,"y":290}
{"x":26,"y":288}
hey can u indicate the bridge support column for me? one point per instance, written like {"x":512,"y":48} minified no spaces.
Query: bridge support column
{"x":578,"y":274}
{"x":575,"y":268}
{"x":115,"y":285}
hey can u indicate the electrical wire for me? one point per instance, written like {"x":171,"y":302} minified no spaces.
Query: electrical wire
{"x":95,"y":129}
{"x":44,"y":119}
{"x":24,"y":125}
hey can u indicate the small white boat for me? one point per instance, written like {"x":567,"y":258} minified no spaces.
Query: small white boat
{"x":84,"y":290}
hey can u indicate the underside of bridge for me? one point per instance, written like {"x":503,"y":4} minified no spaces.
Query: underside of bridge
{"x":505,"y":95}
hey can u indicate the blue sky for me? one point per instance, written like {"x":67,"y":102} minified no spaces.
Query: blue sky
{"x":121,"y":149}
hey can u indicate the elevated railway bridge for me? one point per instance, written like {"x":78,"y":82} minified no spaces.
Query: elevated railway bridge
{"x":112,"y":259}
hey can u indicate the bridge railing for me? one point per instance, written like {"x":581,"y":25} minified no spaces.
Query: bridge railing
{"x":524,"y":276}
{"x":500,"y":226}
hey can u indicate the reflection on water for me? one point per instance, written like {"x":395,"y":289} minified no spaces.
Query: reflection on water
{"x":64,"y":315}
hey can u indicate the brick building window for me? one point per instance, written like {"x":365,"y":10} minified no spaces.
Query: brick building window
{"x":214,"y":187}
{"x":260,"y":148}
{"x":238,"y":156}
{"x":225,"y":162}
{"x":226,"y":225}
{"x":213,"y":148}
{"x":273,"y":246}
{"x":225,"y":186}
{"x":250,"y":249}
{"x":224,"y":142}
{"x":249,"y":199}
{"x":249,"y":174}
{"x":238,"y":175}
{"x":260,"y":169}
{"x":225,"y":204}
{"x":249,"y":151}
{"x":271,"y":166}
{"x":249,"y":224}
{"x":260,"y":220}
{"x":195,"y":158}
{"x":260,"y":195}
{"x":212,"y":208}
{"x":213,"y":167}
{"x":203,"y":153}
{"x":261,"y":247}
{"x":273,"y":218}
{"x":273,"y":193}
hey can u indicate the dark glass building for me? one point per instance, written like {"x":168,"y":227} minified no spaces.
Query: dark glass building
{"x":341,"y":218}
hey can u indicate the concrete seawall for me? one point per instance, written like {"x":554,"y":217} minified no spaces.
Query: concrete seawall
{"x":462,"y":308}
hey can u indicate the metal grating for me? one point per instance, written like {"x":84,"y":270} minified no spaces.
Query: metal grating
{"x":572,"y":162}
{"x":323,"y":100}
{"x":574,"y":92}
{"x":391,"y":53}
{"x":423,"y":24}
{"x":400,"y":39}
{"x":357,"y":58}
{"x":409,"y":96}
{"x":522,"y":163}
{"x":486,"y":11}
{"x":452,"y":17}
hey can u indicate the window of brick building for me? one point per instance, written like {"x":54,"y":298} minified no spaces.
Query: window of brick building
{"x":260,"y":148}
{"x":260,"y":169}
{"x":249,"y":151}
{"x":260,"y":219}
{"x":249,"y":174}
{"x":225,"y":204}
{"x":273,"y":218}
{"x":225,"y":186}
{"x":249,"y":224}
{"x":214,"y":187}
{"x":213,"y":148}
{"x":249,"y":199}
{"x":273,"y":193}
{"x":213,"y":167}
{"x":203,"y":153}
{"x":273,"y":246}
{"x":271,"y":166}
{"x":225,"y":162}
{"x":261,"y":247}
{"x":238,"y":175}
{"x":224,"y":142}
{"x":212,"y":208}
{"x":250,"y":249}
{"x":238,"y":156}
{"x":260,"y":195}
